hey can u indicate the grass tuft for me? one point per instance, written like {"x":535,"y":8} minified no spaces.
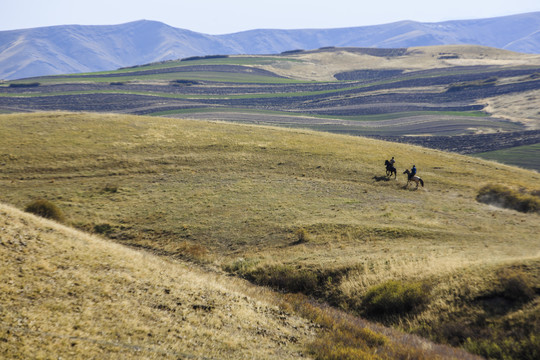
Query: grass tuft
{"x":46,"y":209}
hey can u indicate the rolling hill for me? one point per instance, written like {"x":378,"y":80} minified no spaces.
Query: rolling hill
{"x":465,"y":99}
{"x":296,"y":210}
{"x":65,"y":293}
{"x":75,"y":48}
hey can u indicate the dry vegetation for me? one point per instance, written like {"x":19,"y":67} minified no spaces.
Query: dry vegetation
{"x":522,"y":108}
{"x":321,"y":66}
{"x":299,"y":210}
{"x":67,"y":294}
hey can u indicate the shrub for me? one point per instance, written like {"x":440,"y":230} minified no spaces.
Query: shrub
{"x":103,"y":228}
{"x":110,"y":188}
{"x":505,"y":197}
{"x":287,"y":278}
{"x":46,"y":209}
{"x":241,"y":266}
{"x":506,"y":348}
{"x":394,"y":297}
{"x":516,"y":285}
{"x":302,"y":236}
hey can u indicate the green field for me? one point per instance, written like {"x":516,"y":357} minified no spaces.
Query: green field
{"x":524,"y":156}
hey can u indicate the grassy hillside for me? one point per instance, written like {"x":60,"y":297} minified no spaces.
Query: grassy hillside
{"x":67,"y":294}
{"x":294,"y":209}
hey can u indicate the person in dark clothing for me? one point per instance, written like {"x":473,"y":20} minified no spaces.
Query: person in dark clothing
{"x":413,"y":172}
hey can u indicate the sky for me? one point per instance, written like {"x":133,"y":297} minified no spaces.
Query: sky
{"x":230,"y":16}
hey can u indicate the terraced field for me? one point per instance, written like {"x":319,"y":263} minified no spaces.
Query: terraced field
{"x":443,"y":105}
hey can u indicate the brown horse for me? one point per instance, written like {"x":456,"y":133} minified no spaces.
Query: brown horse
{"x":415,"y":178}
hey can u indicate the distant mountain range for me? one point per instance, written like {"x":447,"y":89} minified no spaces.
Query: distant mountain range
{"x":75,"y":48}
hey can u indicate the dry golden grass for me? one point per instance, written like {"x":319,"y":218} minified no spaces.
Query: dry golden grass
{"x":235,"y":196}
{"x":322,"y":66}
{"x":522,"y":108}
{"x":242,"y":191}
{"x":67,"y":294}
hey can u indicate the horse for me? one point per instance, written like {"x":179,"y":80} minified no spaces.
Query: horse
{"x":415,"y":178}
{"x":390,"y":169}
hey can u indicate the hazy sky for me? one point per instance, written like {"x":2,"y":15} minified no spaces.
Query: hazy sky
{"x":228,"y":16}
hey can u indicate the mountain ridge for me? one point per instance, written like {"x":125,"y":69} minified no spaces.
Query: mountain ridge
{"x":66,"y":49}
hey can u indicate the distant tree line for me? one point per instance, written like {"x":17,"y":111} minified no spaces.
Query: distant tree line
{"x":204,"y":57}
{"x":23,"y":85}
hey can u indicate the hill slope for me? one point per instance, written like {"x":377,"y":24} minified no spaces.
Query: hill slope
{"x":300,"y":211}
{"x":67,"y":294}
{"x":461,"y":98}
{"x":73,"y":49}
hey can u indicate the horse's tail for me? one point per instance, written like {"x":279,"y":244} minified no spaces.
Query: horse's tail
{"x":421,"y":182}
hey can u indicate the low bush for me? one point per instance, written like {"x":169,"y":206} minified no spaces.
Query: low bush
{"x":285,"y":278}
{"x":500,"y":322}
{"x":191,"y":251}
{"x":502,"y":196}
{"x":103,"y":229}
{"x":110,"y":188}
{"x":506,"y":348}
{"x":395,"y":297}
{"x":46,"y":209}
{"x":515,"y":285}
{"x":302,"y":236}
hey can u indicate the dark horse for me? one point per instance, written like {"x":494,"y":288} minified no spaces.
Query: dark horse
{"x":415,"y":178}
{"x":390,"y":169}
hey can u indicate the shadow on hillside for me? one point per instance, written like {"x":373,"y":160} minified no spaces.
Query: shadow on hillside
{"x":381,"y":178}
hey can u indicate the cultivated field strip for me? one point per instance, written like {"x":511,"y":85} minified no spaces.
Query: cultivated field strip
{"x":390,"y":95}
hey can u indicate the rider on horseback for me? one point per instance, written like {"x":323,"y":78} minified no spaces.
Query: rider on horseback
{"x":390,"y":169}
{"x":413,"y":172}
